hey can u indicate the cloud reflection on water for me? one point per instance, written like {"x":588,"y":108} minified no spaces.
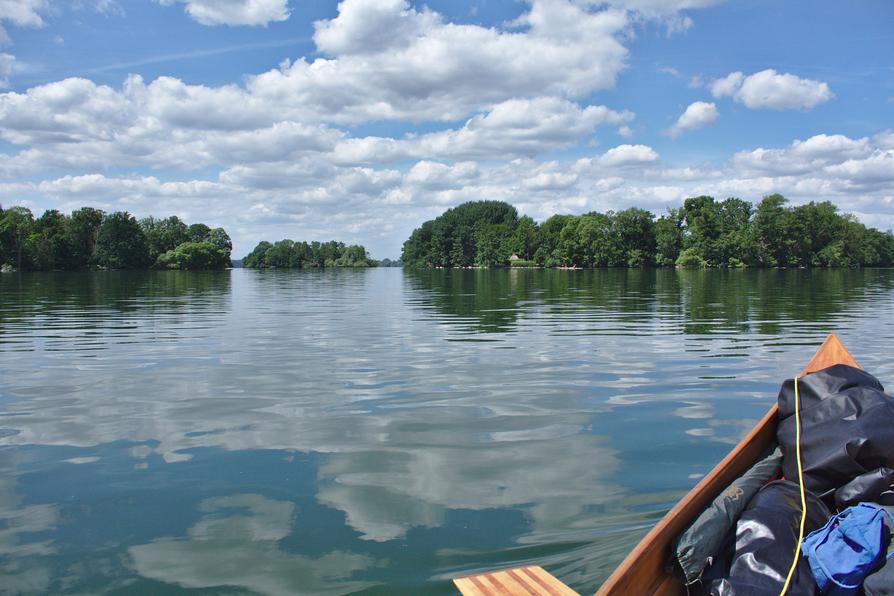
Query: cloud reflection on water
{"x":240,"y":550}
{"x":603,"y":373}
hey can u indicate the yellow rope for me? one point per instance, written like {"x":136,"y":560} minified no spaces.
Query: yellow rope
{"x":791,"y":571}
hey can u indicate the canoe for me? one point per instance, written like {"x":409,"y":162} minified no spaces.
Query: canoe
{"x":642,"y":572}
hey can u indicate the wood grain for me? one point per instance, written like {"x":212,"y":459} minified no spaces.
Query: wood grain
{"x":520,"y":581}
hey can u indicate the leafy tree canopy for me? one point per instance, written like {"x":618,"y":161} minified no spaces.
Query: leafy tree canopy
{"x":702,"y":232}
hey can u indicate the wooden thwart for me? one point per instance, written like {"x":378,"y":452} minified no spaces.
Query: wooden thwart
{"x":521,"y":581}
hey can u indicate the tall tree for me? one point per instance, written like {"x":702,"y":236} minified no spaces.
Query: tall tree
{"x":83,"y":231}
{"x":121,"y":243}
{"x":15,"y":227}
{"x":668,"y":237}
{"x":48,"y":243}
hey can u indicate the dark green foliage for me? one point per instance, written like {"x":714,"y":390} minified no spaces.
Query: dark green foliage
{"x":198,"y":232}
{"x":668,"y":237}
{"x":163,"y":235}
{"x":49,"y":244}
{"x":523,"y":263}
{"x":480,"y":233}
{"x":89,"y":238}
{"x":701,"y":233}
{"x":15,"y":227}
{"x":83,"y":231}
{"x":691,"y":258}
{"x":288,"y":254}
{"x":122,"y":243}
{"x":194,"y":255}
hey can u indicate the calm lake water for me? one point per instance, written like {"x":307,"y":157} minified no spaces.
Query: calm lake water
{"x":381,"y":431}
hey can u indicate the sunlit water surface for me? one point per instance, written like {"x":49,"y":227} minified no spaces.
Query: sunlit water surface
{"x":381,"y":431}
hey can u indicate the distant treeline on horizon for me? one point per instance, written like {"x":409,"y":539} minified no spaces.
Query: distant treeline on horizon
{"x":289,"y":254}
{"x":90,"y":238}
{"x":702,"y":232}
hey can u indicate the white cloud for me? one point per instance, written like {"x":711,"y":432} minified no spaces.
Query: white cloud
{"x":769,"y":89}
{"x":434,"y":70}
{"x":803,"y":156}
{"x":234,"y":12}
{"x":697,"y":114}
{"x":728,"y":85}
{"x":519,"y":127}
{"x":314,"y":195}
{"x":80,"y":124}
{"x":498,"y":102}
{"x":628,"y":155}
{"x":7,"y":65}
{"x":373,"y":26}
{"x":21,"y":13}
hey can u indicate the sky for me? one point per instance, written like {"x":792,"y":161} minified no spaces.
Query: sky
{"x":358,"y":120}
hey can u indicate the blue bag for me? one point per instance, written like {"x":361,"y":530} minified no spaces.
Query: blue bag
{"x":849,"y":547}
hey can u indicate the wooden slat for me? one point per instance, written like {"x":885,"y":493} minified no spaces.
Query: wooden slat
{"x":521,"y":581}
{"x":642,"y":572}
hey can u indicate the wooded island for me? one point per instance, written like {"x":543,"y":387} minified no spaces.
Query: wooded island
{"x":288,"y":254}
{"x":702,"y":232}
{"x":92,"y":239}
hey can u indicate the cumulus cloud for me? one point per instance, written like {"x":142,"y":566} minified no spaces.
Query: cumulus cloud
{"x":386,"y":203}
{"x":426,"y":69}
{"x":696,"y":115}
{"x":234,"y":12}
{"x":628,"y":155}
{"x":21,"y":13}
{"x":804,"y":156}
{"x":501,"y":105}
{"x":79,"y":123}
{"x":365,"y":26}
{"x":772,"y":90}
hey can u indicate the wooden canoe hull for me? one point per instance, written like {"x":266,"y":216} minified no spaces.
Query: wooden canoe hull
{"x":642,"y":572}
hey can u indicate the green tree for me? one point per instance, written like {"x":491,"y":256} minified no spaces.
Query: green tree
{"x":15,"y":227}
{"x":83,"y":231}
{"x":198,"y":232}
{"x":48,"y":243}
{"x":451,"y":240}
{"x":221,"y":240}
{"x":121,"y":243}
{"x":194,"y":256}
{"x":635,"y":231}
{"x":526,"y":238}
{"x":702,"y":221}
{"x":548,"y":253}
{"x":668,"y":237}
{"x":163,"y":235}
{"x":256,"y":259}
{"x":770,"y":233}
{"x":691,"y":258}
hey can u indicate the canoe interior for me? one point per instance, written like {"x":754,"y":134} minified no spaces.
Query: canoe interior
{"x":642,"y":572}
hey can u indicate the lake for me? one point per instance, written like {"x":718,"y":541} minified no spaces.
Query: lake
{"x":381,"y":431}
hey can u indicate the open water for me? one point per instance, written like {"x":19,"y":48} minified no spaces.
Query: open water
{"x":381,"y":431}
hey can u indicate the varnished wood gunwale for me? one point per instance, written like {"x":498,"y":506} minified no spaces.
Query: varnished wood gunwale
{"x":642,"y":572}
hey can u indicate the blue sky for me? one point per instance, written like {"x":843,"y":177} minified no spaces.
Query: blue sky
{"x":359,"y":120}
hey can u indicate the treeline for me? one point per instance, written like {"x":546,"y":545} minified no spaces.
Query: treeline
{"x":90,"y":238}
{"x":702,"y":232}
{"x":288,"y":254}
